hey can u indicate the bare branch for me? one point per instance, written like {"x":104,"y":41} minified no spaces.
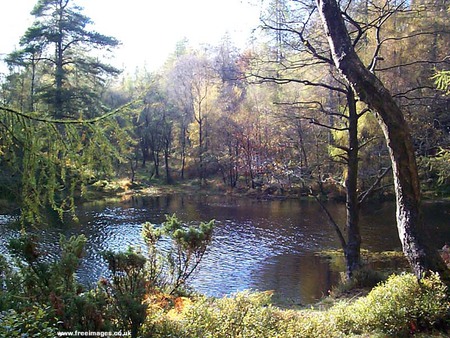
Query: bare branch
{"x":363,"y":196}
{"x":277,"y":80}
{"x":331,"y":220}
{"x":412,"y":63}
{"x":317,"y":123}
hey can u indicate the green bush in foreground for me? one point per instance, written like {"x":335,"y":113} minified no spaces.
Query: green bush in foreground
{"x":32,"y":322}
{"x":397,"y":307}
{"x":243,"y":315}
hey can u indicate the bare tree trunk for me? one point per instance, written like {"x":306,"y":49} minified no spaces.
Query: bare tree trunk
{"x":166,"y":163}
{"x":370,"y":90}
{"x":183,"y":149}
{"x":353,"y":248}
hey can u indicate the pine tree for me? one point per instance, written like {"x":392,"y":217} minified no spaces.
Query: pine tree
{"x":60,"y":41}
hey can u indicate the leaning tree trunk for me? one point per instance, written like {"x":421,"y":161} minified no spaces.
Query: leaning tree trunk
{"x":370,"y":90}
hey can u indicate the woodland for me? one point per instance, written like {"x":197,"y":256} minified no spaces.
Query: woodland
{"x":343,"y":101}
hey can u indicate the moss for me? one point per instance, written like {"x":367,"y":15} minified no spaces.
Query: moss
{"x":386,"y":261}
{"x":368,"y":256}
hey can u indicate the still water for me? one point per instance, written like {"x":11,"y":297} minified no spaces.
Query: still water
{"x":257,"y":244}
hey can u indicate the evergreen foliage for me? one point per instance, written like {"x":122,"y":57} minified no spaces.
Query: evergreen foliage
{"x":128,"y":288}
{"x":59,"y":43}
{"x":42,"y":294}
{"x":189,"y":245}
{"x":51,"y":163}
{"x":35,"y":321}
{"x":50,"y":148}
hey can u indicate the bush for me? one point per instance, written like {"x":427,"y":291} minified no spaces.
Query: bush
{"x":397,"y":307}
{"x":145,"y":286}
{"x":362,"y":279}
{"x":127,"y":289}
{"x":35,"y":321}
{"x":243,"y":315}
{"x":188,"y":246}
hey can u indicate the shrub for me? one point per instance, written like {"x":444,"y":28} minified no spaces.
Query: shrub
{"x":49,"y":283}
{"x":188,"y":246}
{"x":35,"y":321}
{"x":145,"y":286}
{"x":361,"y":279}
{"x":243,"y":315}
{"x":399,"y":306}
{"x":10,"y":287}
{"x":127,"y":289}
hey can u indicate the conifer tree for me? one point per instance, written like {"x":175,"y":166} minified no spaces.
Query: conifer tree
{"x":59,"y":40}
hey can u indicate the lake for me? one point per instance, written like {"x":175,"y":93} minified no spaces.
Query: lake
{"x":257,"y":244}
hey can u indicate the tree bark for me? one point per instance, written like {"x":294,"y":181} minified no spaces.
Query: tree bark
{"x":371,"y":90}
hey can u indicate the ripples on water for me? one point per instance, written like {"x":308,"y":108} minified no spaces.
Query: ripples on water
{"x":263,"y":245}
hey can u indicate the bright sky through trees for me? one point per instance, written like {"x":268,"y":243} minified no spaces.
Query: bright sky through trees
{"x":148,"y":29}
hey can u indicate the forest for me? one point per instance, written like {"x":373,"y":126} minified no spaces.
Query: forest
{"x":283,"y":117}
{"x":273,"y":116}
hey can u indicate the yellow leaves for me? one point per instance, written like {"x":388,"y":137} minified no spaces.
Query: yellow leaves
{"x":181,"y":306}
{"x":174,"y":307}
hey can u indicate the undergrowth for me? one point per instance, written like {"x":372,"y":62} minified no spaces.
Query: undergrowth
{"x":147,"y":294}
{"x":398,"y":307}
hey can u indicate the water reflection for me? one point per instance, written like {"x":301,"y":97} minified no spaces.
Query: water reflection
{"x":260,"y":245}
{"x":298,"y":279}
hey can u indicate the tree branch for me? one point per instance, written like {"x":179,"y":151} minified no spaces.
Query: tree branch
{"x":69,"y":121}
{"x":363,"y":196}
{"x":332,"y":221}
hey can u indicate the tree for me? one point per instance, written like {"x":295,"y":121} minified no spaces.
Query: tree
{"x":409,"y":41}
{"x":180,"y":93}
{"x":398,"y":138}
{"x":48,"y":123}
{"x":51,"y":161}
{"x":155,"y":127}
{"x":59,"y":39}
{"x":194,"y":89}
{"x":325,"y":102}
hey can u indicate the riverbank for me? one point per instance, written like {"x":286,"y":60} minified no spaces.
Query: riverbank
{"x":400,"y":307}
{"x":156,"y":187}
{"x":123,"y":189}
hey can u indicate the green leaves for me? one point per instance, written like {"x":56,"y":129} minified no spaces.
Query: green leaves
{"x":442,"y":80}
{"x":54,"y":53}
{"x":187,"y":248}
{"x":398,"y":308}
{"x":35,"y":322}
{"x":128,"y":262}
{"x":190,"y":238}
{"x":136,"y":275}
{"x":52,"y":161}
{"x":193,"y":238}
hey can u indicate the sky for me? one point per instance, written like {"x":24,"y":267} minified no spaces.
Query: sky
{"x":148,"y":29}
